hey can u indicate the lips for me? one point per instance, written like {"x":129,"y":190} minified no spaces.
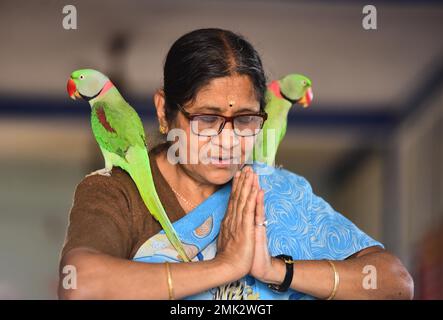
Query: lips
{"x":223,"y":161}
{"x":219,"y":160}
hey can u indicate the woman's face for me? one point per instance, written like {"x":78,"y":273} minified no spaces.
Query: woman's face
{"x":214,"y":160}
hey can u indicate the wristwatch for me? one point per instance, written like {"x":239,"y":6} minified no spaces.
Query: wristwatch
{"x":284,"y":286}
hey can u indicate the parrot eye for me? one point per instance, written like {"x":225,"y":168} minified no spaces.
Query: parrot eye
{"x":82,"y":77}
{"x":304,"y":82}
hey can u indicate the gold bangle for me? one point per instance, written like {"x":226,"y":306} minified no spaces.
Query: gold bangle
{"x":336,"y":281}
{"x":170,"y":288}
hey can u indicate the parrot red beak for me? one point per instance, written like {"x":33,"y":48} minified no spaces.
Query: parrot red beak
{"x":72,"y":90}
{"x":306,"y":100}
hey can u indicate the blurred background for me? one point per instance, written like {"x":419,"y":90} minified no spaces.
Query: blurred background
{"x":371,"y":144}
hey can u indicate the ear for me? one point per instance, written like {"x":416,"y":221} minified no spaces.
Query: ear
{"x":159,"y":102}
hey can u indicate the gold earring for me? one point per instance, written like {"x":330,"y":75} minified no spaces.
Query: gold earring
{"x":162,"y":130}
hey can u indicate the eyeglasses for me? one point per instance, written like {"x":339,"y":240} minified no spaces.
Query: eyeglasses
{"x":209,"y":125}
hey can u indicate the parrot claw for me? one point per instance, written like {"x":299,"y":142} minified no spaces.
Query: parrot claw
{"x":103,"y":172}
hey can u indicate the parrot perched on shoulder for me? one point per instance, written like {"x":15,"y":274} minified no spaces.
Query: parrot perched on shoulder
{"x":119,"y":133}
{"x":280,"y":96}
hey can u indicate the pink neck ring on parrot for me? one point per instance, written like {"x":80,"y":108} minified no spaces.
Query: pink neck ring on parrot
{"x":275,"y":89}
{"x":108,"y":85}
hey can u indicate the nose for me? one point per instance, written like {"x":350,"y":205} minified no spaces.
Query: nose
{"x":227,"y":139}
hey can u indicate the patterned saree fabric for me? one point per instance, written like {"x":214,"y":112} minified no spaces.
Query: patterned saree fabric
{"x":300,"y":224}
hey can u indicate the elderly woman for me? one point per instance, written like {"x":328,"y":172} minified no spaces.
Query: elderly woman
{"x":250,"y":233}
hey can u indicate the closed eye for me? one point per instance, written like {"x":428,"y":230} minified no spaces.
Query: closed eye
{"x":208,"y":119}
{"x":245,"y":119}
{"x":246,"y":110}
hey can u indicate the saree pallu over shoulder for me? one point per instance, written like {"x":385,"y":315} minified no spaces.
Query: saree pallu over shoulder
{"x":197,"y":230}
{"x":300,"y":224}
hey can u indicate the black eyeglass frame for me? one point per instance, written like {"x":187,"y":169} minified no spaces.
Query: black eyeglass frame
{"x":191,"y":117}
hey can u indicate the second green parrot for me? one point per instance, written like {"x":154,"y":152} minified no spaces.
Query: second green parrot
{"x":281,"y":95}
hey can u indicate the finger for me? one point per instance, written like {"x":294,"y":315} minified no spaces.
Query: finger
{"x":260,"y":231}
{"x":246,"y":190}
{"x":258,"y":181}
{"x":238,"y":187}
{"x":231,"y":196}
{"x":235,"y":196}
{"x":250,"y":210}
{"x":228,"y":212}
{"x":250,"y":206}
{"x":260,"y":208}
{"x":241,"y":180}
{"x":235,"y":181}
{"x":230,"y":209}
{"x":234,"y":186}
{"x":243,"y":184}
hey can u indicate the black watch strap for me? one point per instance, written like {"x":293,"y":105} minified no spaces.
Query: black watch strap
{"x":289,"y":274}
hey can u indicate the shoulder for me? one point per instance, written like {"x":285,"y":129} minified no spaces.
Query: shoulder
{"x":304,"y":223}
{"x":116,"y":187}
{"x":288,"y":196}
{"x":282,"y":181}
{"x":101,"y":216}
{"x":117,"y":179}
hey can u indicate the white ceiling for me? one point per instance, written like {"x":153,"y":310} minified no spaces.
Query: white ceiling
{"x":350,"y":67}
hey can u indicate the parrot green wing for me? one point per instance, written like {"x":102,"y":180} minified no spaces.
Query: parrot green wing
{"x":116,"y":129}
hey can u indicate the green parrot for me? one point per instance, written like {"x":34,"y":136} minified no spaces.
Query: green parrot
{"x":119,"y":133}
{"x":280,"y":96}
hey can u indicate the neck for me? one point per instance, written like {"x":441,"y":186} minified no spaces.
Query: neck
{"x":182,"y":182}
{"x":275,"y":88}
{"x":107,"y":88}
{"x":108,"y":85}
{"x":281,"y":105}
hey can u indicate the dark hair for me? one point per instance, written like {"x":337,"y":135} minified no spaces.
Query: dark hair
{"x":202,"y":55}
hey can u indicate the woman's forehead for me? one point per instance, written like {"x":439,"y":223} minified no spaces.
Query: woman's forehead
{"x":228,"y":93}
{"x":224,"y":109}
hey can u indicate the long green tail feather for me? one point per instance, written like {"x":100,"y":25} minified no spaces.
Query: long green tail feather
{"x":140,"y":172}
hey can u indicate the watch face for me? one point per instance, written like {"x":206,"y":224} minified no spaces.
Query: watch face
{"x":288,"y":277}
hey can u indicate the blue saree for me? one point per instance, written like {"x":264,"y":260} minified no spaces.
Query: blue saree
{"x":300,"y":224}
